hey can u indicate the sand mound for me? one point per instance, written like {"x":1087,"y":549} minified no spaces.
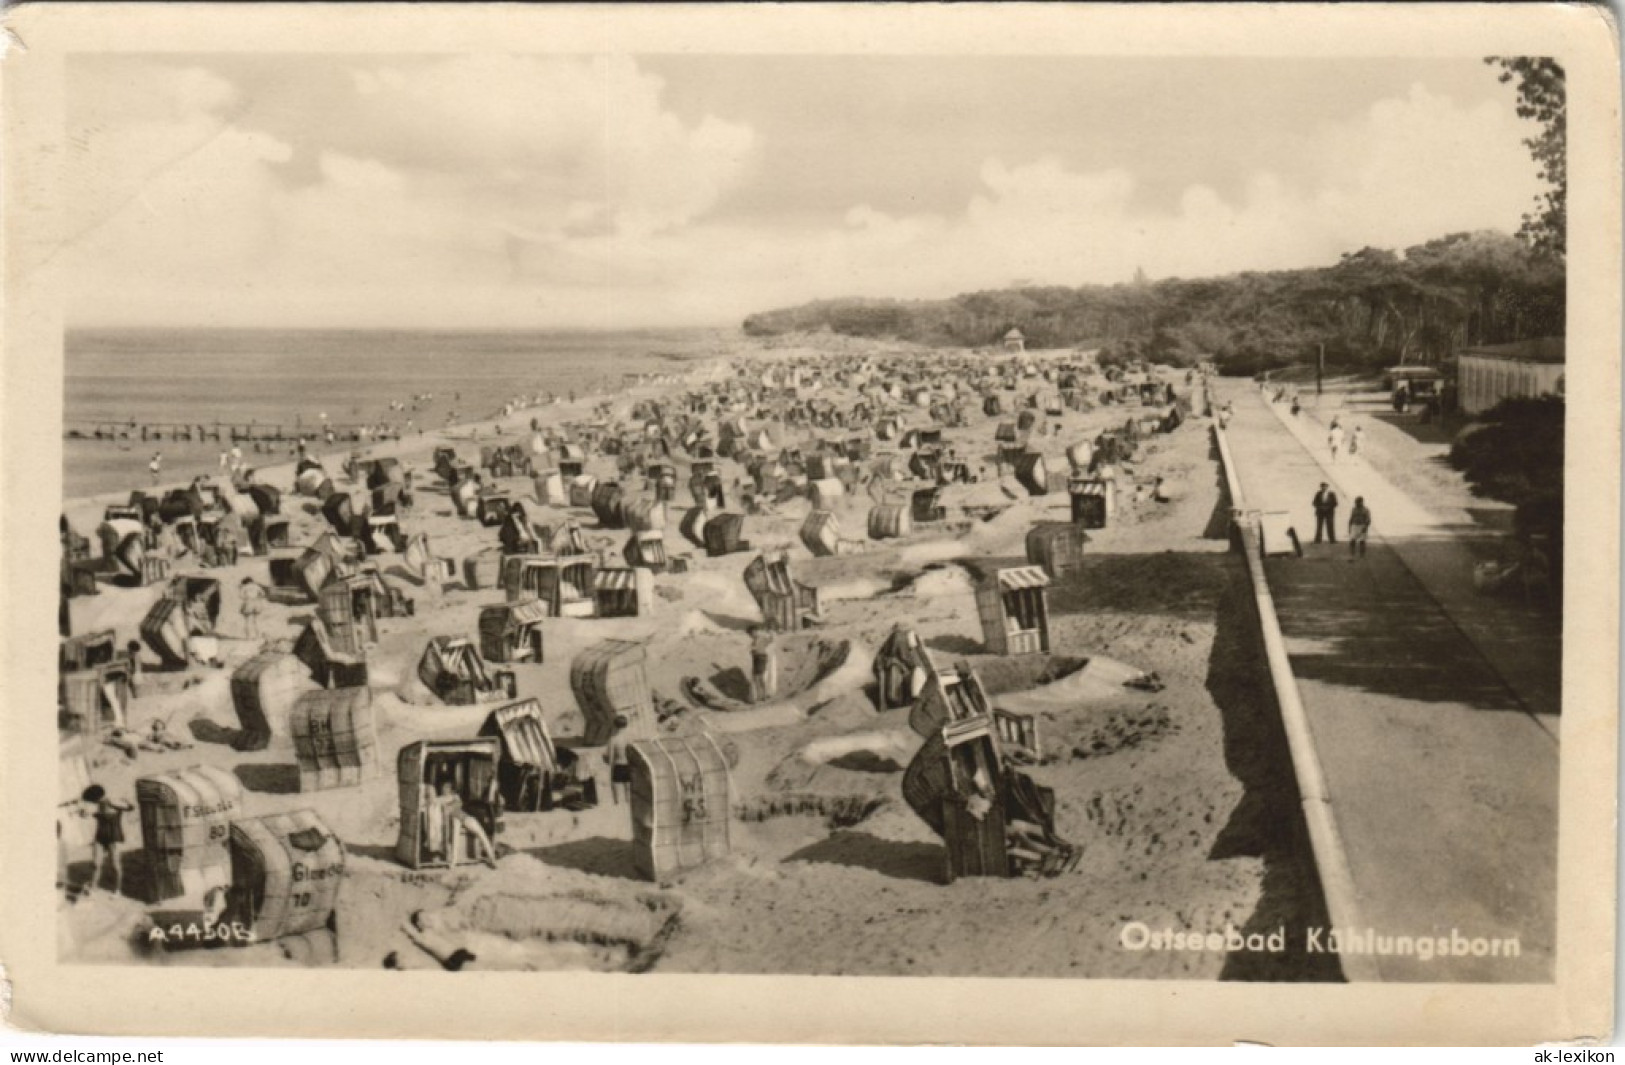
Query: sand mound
{"x":1003,"y":674}
{"x":941,"y":583}
{"x":387,"y":673}
{"x":722,"y":593}
{"x":802,"y":665}
{"x":849,"y":674}
{"x":505,"y":932}
{"x":929,"y":551}
{"x":208,"y":696}
{"x":856,"y":588}
{"x":411,"y":692}
{"x":1015,"y":673}
{"x":430,"y":716}
{"x":875,"y":751}
{"x":753,"y":718}
{"x":699,"y":623}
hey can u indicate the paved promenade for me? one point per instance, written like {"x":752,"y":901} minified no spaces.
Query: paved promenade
{"x":1433,"y":709}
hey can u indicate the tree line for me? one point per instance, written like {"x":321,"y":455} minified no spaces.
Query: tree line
{"x":1374,"y":307}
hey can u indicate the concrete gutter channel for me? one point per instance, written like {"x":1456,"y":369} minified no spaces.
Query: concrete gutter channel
{"x":1325,"y":840}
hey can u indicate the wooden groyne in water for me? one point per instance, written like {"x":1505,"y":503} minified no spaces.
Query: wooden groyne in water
{"x":219,"y":432}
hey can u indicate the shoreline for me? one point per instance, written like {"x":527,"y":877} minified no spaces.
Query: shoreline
{"x":274,"y":390}
{"x":549,"y":415}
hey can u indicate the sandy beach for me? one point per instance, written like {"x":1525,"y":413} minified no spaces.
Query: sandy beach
{"x":1180,"y":799}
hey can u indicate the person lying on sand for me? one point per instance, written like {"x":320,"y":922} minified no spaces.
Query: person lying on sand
{"x":122,"y":739}
{"x":159,"y":738}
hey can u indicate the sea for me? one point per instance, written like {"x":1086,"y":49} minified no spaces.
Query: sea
{"x":294,"y":377}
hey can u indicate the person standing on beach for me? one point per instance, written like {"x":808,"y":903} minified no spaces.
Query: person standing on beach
{"x":109,"y":835}
{"x":1359,"y":528}
{"x":620,"y":767}
{"x":156,"y":466}
{"x":1325,"y":503}
{"x":132,"y":651}
{"x":763,"y":668}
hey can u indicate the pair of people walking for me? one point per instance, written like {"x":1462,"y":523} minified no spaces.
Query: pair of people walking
{"x":1336,"y":439}
{"x":1325,"y":504}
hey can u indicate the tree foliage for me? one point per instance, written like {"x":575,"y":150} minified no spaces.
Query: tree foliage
{"x":1515,"y":454}
{"x":1515,"y":451}
{"x":1374,"y":307}
{"x":1543,"y":97}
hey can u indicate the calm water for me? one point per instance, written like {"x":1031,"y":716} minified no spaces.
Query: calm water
{"x":292,"y":377}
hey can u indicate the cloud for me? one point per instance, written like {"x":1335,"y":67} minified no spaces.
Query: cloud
{"x":159,"y":183}
{"x":1409,"y":169}
{"x":399,"y":177}
{"x":561,"y":191}
{"x":545,"y":135}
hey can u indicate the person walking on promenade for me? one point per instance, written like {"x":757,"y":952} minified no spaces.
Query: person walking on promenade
{"x":1334,"y":439}
{"x":1325,"y":504}
{"x":1356,"y":438}
{"x":1359,"y":528}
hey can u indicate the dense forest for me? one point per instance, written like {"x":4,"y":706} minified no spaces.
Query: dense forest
{"x":1372,"y":308}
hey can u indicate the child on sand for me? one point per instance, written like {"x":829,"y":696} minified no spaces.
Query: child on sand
{"x":252,"y":594}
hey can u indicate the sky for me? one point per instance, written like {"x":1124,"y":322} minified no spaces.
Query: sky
{"x":618,"y":191}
